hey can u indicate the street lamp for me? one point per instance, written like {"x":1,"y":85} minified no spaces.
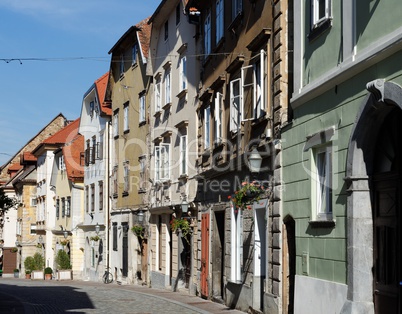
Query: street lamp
{"x":65,"y":234}
{"x":140,"y":215}
{"x":184,"y":206}
{"x":97,"y":229}
{"x":254,"y":161}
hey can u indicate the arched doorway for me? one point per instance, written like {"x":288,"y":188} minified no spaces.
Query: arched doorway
{"x":386,"y":215}
{"x":373,"y":180}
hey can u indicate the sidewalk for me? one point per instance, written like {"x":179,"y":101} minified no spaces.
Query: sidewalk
{"x":179,"y":297}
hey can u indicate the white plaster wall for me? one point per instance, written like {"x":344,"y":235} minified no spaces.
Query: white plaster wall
{"x":317,"y":296}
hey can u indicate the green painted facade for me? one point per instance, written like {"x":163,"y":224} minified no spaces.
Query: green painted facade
{"x":335,"y":103}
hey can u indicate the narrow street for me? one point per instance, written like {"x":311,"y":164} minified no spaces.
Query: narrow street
{"x":43,"y":296}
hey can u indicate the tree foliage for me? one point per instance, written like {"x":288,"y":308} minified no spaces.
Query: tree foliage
{"x":6,"y":202}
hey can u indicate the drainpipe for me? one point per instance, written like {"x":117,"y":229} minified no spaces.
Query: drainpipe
{"x":108,"y":161}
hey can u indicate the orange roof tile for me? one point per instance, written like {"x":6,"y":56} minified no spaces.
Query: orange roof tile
{"x":14,"y":167}
{"x":101,"y":85}
{"x":65,"y":135}
{"x":72,"y":158}
{"x":144,"y":35}
{"x":28,"y":156}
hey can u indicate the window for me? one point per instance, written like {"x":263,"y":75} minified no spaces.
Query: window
{"x":57,"y":208}
{"x":62,"y":165}
{"x":207,"y":127}
{"x":142,"y":161}
{"x":323,"y":182}
{"x":219,"y":20}
{"x":134,"y":54}
{"x":236,"y":112}
{"x":236,"y":244}
{"x":183,"y":73}
{"x":157,"y":88}
{"x":237,"y":8}
{"x":168,"y":88}
{"x":86,"y":199}
{"x":93,"y":152}
{"x":116,"y":124}
{"x":183,"y":155}
{"x":114,"y":181}
{"x":166,"y":30}
{"x":162,"y":161}
{"x":63,"y":207}
{"x":34,"y":202}
{"x":142,"y":109}
{"x":88,"y":153}
{"x":92,"y":256}
{"x":68,"y":206}
{"x":91,"y":108}
{"x":121,"y":65}
{"x":125,"y":117}
{"x":259,"y":88}
{"x":218,"y":117}
{"x":114,"y":227}
{"x":100,"y":146}
{"x":178,"y":11}
{"x":92,"y":197}
{"x":126,"y":169}
{"x":100,"y":184}
{"x":207,"y":34}
{"x":320,"y":11}
{"x":33,"y":229}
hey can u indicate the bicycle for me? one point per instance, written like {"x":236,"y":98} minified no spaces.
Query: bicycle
{"x":107,"y":276}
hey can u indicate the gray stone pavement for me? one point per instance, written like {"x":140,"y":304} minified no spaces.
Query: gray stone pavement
{"x":51,"y":296}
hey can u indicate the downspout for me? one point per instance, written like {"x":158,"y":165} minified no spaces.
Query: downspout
{"x":108,"y":161}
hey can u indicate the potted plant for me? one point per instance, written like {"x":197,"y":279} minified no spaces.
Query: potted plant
{"x":181,"y":223}
{"x":28,"y":274}
{"x":139,"y":231}
{"x":16,"y":273}
{"x":38,"y":265}
{"x":63,"y":266}
{"x":48,"y":273}
{"x":249,"y":193}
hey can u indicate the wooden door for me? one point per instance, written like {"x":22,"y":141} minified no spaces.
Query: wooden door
{"x":204,"y":254}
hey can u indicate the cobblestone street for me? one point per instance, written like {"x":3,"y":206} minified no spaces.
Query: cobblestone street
{"x":29,"y":296}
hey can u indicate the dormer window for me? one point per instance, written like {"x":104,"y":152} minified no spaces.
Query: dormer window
{"x":91,"y":108}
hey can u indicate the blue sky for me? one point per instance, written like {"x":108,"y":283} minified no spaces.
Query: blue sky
{"x":34,"y":92}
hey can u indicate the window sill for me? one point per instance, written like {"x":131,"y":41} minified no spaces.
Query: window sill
{"x":142,"y":191}
{"x":182,"y":94}
{"x":142,"y":123}
{"x":116,"y":137}
{"x":126,"y":131}
{"x":319,"y":28}
{"x":157,"y":113}
{"x":167,"y":106}
{"x":134,"y":65}
{"x":322,"y":223}
{"x":124,"y":194}
{"x":115,"y":195}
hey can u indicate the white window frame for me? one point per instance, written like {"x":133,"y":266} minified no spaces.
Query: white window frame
{"x":236,"y":97}
{"x":220,"y":20}
{"x":157,"y":93}
{"x":322,"y":182}
{"x":33,"y":229}
{"x":218,"y":112}
{"x":125,"y":115}
{"x":142,"y":108}
{"x":183,"y":155}
{"x":134,"y":51}
{"x":33,"y":201}
{"x":317,"y":9}
{"x":183,"y":73}
{"x":116,"y":124}
{"x":162,"y":162}
{"x":126,"y":176}
{"x":207,"y":34}
{"x":259,"y":87}
{"x":236,"y":244}
{"x":207,"y":127}
{"x":168,"y":86}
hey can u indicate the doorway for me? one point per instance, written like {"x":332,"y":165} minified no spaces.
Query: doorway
{"x":386,"y":183}
{"x":204,"y":254}
{"x":289,"y":265}
{"x":218,"y":241}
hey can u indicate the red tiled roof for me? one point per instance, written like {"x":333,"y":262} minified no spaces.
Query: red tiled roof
{"x":65,"y":135}
{"x":28,"y":156}
{"x":14,"y":167}
{"x":72,"y":158}
{"x":144,"y":35}
{"x":101,"y":85}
